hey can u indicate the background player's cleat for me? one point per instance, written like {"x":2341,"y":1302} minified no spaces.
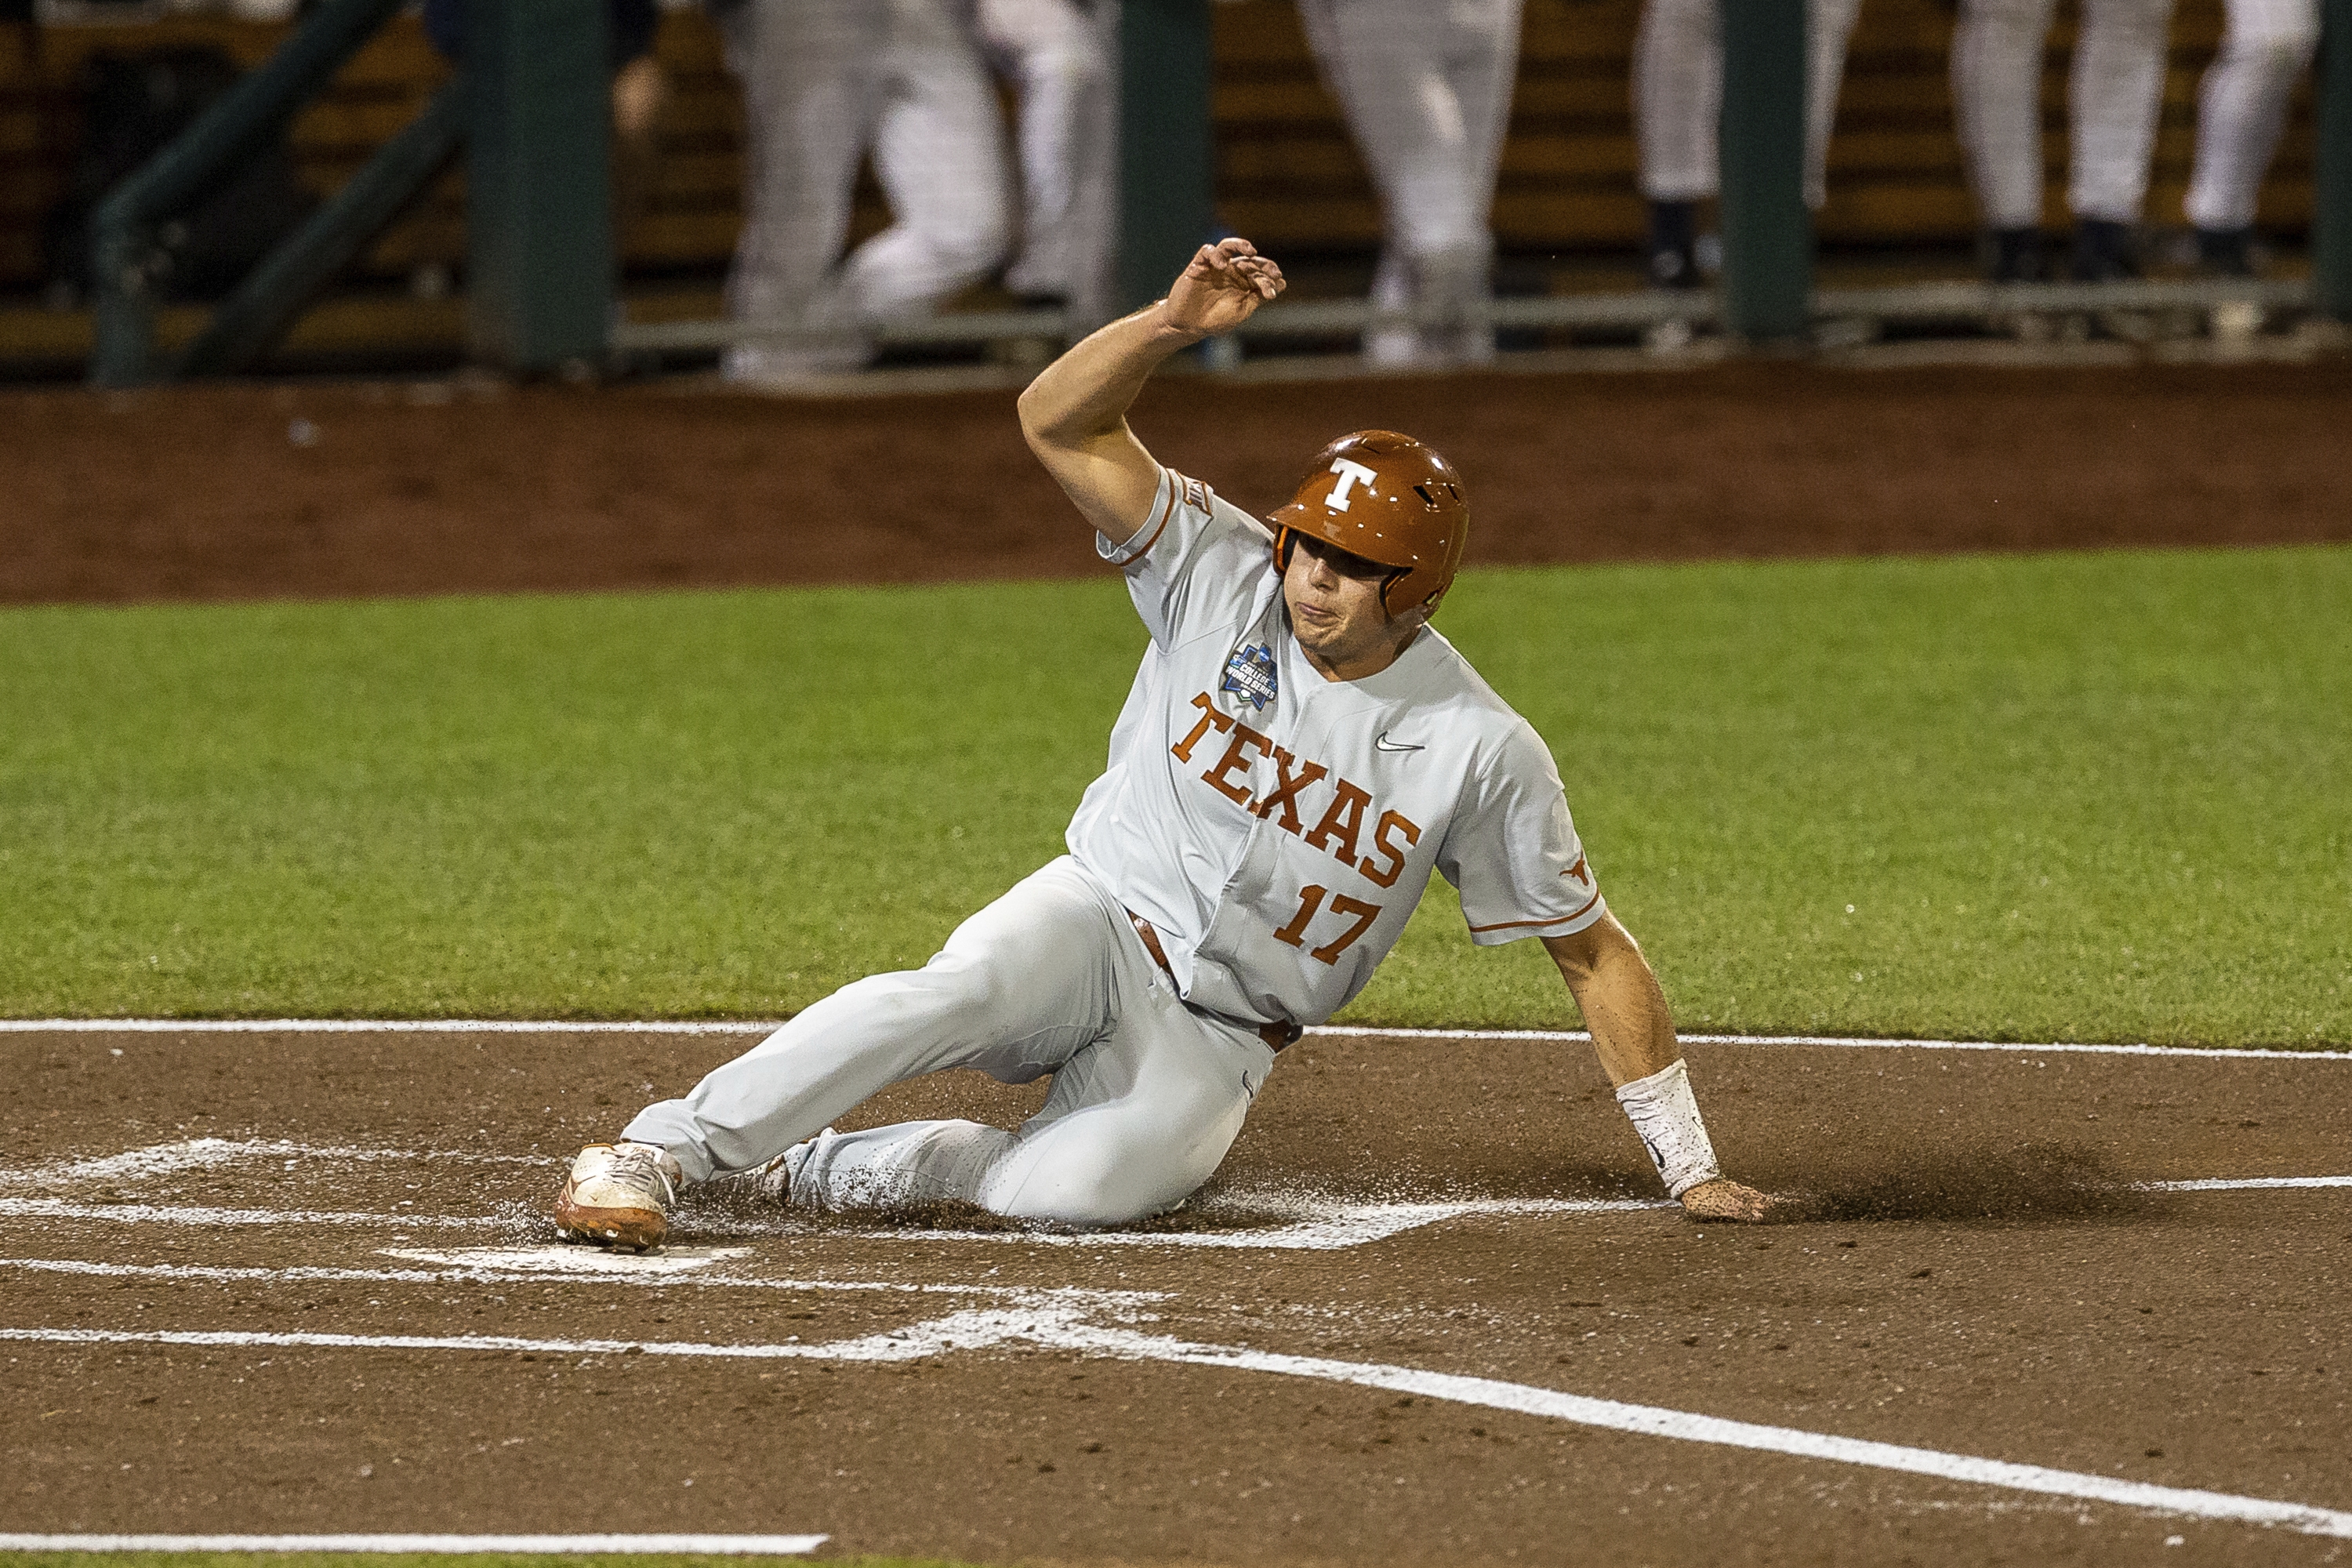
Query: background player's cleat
{"x":2105,"y":251}
{"x":1671,"y":252}
{"x":2226,"y":252}
{"x":618,"y":1194}
{"x":2014,"y":255}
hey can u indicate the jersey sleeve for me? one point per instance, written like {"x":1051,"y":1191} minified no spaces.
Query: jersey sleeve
{"x":1196,"y":561}
{"x":1514,"y":853}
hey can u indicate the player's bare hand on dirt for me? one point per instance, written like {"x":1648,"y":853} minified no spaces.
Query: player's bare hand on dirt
{"x":1726,"y":1200}
{"x":1223,"y":285}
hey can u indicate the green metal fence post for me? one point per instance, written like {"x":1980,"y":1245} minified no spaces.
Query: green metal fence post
{"x":1767,"y":234}
{"x":2331,"y":217}
{"x":539,"y":218}
{"x":274,"y":293}
{"x":1167,"y":177}
{"x":122,"y":240}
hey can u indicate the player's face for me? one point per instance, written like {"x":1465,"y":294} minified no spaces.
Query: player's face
{"x":1335,"y":611}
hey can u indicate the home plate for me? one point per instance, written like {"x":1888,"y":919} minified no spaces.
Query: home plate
{"x":562,"y":1258}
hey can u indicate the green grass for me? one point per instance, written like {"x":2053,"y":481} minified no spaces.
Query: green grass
{"x":2095,"y":796}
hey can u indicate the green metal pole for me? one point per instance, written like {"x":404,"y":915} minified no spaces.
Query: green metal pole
{"x":1767,"y":234}
{"x":539,"y":219}
{"x":122,"y":240}
{"x":274,"y":293}
{"x":2331,"y":215}
{"x":1167,"y":175}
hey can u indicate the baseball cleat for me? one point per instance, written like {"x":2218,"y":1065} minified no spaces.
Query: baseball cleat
{"x":618,"y":1194}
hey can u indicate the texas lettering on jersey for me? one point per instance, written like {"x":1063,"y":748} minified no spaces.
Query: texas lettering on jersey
{"x":1339,"y":831}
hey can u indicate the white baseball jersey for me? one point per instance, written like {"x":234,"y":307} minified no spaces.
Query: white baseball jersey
{"x":1277,"y":828}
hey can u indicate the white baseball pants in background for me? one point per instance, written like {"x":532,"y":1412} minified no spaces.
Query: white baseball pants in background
{"x":2116,"y":90}
{"x":1678,"y":93}
{"x":2242,"y":106}
{"x":1060,"y":60}
{"x":1148,"y":1095}
{"x":1427,"y":86}
{"x":822,"y":81}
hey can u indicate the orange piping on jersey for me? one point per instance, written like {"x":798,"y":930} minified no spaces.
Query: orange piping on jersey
{"x":1175,"y":494}
{"x":1556,"y":920}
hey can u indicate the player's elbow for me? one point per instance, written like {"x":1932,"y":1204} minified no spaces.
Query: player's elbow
{"x":1036,"y":415}
{"x":1049,"y":423}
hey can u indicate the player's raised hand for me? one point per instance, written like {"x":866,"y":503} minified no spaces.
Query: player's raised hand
{"x":1726,"y":1200}
{"x":1223,"y":285}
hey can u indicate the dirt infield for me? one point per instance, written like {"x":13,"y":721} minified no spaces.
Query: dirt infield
{"x":1982,"y":1267}
{"x":326,"y":490}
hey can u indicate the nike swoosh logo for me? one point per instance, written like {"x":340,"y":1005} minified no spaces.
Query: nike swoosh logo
{"x":1382,"y":744}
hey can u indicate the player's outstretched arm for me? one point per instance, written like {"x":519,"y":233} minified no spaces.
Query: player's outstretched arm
{"x":1623,"y":1006}
{"x":1075,"y":413}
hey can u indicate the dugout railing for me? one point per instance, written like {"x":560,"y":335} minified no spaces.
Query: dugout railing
{"x":528,"y":106}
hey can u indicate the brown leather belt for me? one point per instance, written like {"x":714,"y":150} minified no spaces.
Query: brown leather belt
{"x":1278,"y":1036}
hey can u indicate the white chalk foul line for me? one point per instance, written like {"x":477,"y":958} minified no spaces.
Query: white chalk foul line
{"x":1064,"y":1329}
{"x":1862,"y":1042}
{"x":2243,"y":1184}
{"x":1338,"y":1227}
{"x":1657,"y":1422}
{"x":376,"y":1026}
{"x":698,"y":1026}
{"x":974,"y":1330}
{"x":180,"y":1214}
{"x":1352,"y":1224}
{"x":204,"y":1153}
{"x":533,"y":1545}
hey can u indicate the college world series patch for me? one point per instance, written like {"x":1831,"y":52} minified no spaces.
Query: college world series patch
{"x":1250,"y":671}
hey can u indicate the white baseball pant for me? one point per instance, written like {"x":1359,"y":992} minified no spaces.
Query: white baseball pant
{"x":1060,"y":60}
{"x":1148,"y":1094}
{"x":1427,"y":86}
{"x":1678,"y":93}
{"x":2242,"y":106}
{"x":2114,"y":96}
{"x":820,"y":78}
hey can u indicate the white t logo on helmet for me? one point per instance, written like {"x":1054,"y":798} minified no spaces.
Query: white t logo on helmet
{"x":1350,"y":474}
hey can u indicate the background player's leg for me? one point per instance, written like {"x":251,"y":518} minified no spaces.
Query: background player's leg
{"x":1678,"y":99}
{"x":1483,"y":67}
{"x":1829,"y":27}
{"x":1135,"y":1122}
{"x":1018,"y":988}
{"x":2116,"y":91}
{"x":1997,"y":94}
{"x":1057,"y":54}
{"x":1385,"y":61}
{"x":938,"y":151}
{"x":2240,"y":110}
{"x":807,"y":72}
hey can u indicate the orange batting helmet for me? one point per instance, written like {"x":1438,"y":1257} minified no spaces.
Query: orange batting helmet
{"x":1390,"y":499}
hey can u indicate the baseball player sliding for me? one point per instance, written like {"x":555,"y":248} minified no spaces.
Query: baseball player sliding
{"x":1300,"y":750}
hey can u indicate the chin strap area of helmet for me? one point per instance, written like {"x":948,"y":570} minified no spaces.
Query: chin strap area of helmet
{"x":1286,"y":539}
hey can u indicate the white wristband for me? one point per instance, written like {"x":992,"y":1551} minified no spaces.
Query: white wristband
{"x":1664,"y":1112}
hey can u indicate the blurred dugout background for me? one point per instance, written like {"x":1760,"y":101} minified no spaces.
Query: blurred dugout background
{"x":1568,"y":217}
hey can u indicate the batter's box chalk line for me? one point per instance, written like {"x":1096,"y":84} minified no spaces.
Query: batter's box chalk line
{"x":1070,"y":1328}
{"x":578,"y":1265}
{"x":529,"y":1545}
{"x":1270,"y":1221}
